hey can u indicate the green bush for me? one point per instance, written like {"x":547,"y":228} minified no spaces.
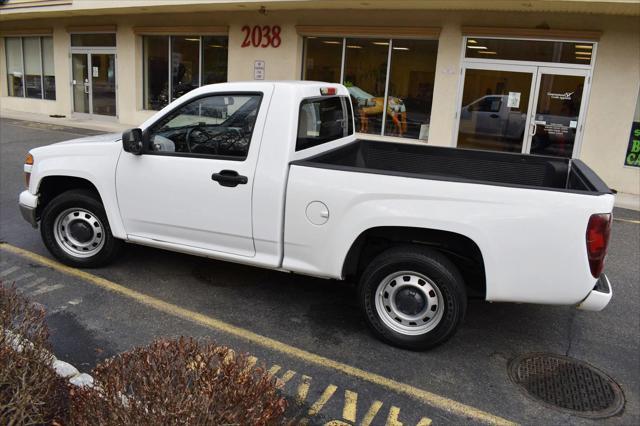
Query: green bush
{"x":178,"y":382}
{"x":31,"y":393}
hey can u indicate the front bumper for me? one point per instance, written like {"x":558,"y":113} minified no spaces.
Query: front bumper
{"x":599,"y":297}
{"x":28,"y":204}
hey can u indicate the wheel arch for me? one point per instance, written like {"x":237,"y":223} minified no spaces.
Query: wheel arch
{"x":51,"y":186}
{"x":459,"y":249}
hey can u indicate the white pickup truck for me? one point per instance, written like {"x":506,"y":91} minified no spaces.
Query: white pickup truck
{"x":271,"y":174}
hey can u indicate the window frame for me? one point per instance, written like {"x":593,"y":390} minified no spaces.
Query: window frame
{"x":169,"y":36}
{"x":23,"y":66}
{"x":146,"y":132}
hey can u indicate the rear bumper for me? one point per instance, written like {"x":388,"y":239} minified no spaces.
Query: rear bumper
{"x":28,"y":204}
{"x":599,"y":297}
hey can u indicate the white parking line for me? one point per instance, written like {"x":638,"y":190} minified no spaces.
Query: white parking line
{"x":9,"y":271}
{"x":33,"y":283}
{"x":46,"y":289}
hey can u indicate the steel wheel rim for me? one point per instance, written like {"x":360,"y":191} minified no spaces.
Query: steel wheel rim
{"x":87,"y":224}
{"x":401,"y":321}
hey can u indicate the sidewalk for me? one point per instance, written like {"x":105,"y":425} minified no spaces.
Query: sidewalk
{"x":623,"y":200}
{"x":92,"y":124}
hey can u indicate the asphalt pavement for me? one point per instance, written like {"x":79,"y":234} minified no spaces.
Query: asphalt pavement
{"x":309,"y":331}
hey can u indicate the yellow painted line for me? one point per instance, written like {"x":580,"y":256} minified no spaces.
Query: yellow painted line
{"x":324,"y":398}
{"x":371,"y":413}
{"x":303,"y":389}
{"x":286,"y":377}
{"x":435,"y":400}
{"x":350,"y":405}
{"x":618,"y":219}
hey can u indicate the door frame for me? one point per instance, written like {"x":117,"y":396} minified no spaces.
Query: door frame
{"x":495,"y":67}
{"x":88,"y":51}
{"x":585,"y":73}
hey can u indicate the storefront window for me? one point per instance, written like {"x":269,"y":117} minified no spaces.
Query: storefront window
{"x":323,"y":59}
{"x":214,"y":59}
{"x":32,"y":67}
{"x":172,"y":66}
{"x":13,"y":47}
{"x":29,"y":65}
{"x":413,"y":67}
{"x":366,"y":72}
{"x":185,"y":64}
{"x":530,"y":50}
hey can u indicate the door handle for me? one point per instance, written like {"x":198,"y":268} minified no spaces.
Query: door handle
{"x":229,"y":178}
{"x":494,"y":116}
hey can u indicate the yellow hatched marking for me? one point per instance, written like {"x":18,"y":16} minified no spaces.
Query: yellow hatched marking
{"x":324,"y":398}
{"x":303,"y":389}
{"x":371,"y":413}
{"x":392,"y":418}
{"x":350,"y":405}
{"x":251,"y":362}
{"x":425,"y":421}
{"x":274,"y":369}
{"x":288,"y":375}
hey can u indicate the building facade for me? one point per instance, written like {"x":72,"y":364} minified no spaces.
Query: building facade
{"x":552,"y":77}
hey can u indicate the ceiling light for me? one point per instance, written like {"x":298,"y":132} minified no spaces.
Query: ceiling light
{"x":488,"y":52}
{"x":586,"y":55}
{"x":353,"y":46}
{"x":381,"y":43}
{"x":400,"y":48}
{"x":584,"y":46}
{"x":584,"y":58}
{"x":332,"y":42}
{"x":217,"y":46}
{"x":472,"y":41}
{"x":477,"y":47}
{"x":310,"y":37}
{"x":192,"y":39}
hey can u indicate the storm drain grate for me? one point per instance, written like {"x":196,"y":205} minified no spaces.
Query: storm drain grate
{"x":568,"y":384}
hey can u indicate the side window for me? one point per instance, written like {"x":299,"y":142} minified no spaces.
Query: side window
{"x":219,"y":125}
{"x":323,"y":120}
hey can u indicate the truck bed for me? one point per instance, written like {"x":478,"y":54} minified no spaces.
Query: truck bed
{"x":462,"y":165}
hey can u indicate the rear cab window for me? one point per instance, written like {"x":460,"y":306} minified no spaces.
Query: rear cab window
{"x":323,"y":119}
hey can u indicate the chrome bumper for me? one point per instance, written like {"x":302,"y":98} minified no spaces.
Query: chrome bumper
{"x":599,"y":297}
{"x":28,"y":204}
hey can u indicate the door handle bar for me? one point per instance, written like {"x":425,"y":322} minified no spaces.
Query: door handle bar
{"x":229,"y":178}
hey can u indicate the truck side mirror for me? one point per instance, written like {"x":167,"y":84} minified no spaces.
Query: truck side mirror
{"x":132,"y":141}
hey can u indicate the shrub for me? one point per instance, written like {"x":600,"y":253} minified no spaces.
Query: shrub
{"x":176,"y":382}
{"x":31,"y":393}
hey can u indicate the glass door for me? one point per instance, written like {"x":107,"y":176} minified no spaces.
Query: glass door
{"x":494,"y":108}
{"x":556,"y":119}
{"x":103,"y":84}
{"x":80,"y":82}
{"x":94,"y":83}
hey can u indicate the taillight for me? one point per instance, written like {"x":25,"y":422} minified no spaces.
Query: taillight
{"x":598,"y":231}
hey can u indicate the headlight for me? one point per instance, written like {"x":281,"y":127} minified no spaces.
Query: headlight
{"x":28,"y":164}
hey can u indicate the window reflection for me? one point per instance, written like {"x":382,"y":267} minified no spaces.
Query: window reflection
{"x":14,"y":66}
{"x":365,"y":72}
{"x":214,"y":58}
{"x":529,"y":50}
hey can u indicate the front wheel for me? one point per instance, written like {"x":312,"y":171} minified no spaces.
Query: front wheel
{"x":413,"y":297}
{"x":75,"y":230}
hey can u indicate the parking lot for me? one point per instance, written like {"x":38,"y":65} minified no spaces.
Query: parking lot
{"x":309,"y":332}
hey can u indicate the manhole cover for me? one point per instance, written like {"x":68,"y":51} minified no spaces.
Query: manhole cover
{"x":567,"y":383}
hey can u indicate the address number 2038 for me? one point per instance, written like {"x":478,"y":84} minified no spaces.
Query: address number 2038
{"x":261,"y":36}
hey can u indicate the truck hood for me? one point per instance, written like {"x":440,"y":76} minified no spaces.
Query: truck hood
{"x":106,"y":138}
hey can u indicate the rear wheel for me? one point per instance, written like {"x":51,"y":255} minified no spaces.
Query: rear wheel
{"x":413,"y":297}
{"x":75,"y":229}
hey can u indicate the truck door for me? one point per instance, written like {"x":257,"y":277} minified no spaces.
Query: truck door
{"x":193,"y":184}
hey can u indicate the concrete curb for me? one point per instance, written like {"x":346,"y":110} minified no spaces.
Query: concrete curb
{"x":62,"y":368}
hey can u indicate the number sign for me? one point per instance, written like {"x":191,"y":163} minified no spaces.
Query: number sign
{"x":261,"y":36}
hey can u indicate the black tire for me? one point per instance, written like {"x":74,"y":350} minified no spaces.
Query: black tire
{"x":87,"y":201}
{"x":442,"y":276}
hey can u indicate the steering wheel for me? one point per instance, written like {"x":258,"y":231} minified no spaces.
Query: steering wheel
{"x":187,"y":138}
